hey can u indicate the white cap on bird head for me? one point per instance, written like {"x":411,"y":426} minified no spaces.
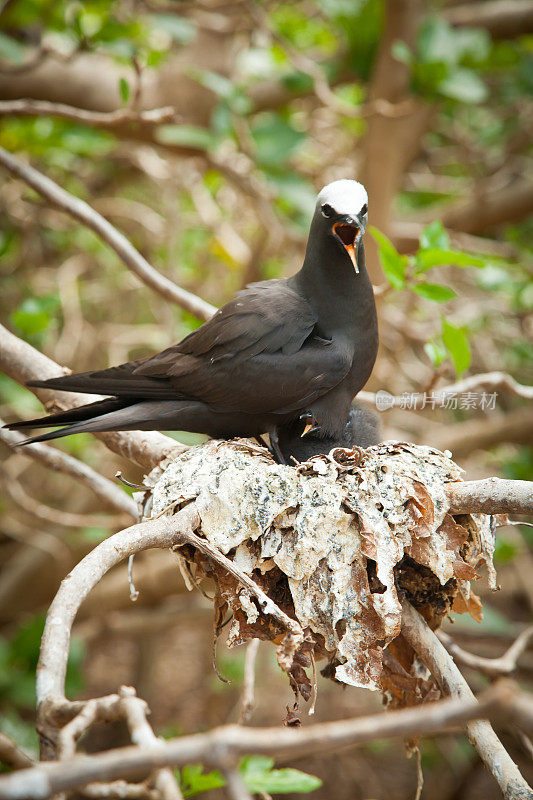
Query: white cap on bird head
{"x":344,"y":196}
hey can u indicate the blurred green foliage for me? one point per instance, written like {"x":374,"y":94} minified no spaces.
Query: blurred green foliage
{"x":258,"y":775}
{"x":19,"y":655}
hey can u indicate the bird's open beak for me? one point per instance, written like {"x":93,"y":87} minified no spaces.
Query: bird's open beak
{"x":348,"y":233}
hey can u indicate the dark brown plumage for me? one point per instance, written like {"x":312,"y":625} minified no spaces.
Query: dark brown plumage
{"x":279,"y":349}
{"x":363,"y":429}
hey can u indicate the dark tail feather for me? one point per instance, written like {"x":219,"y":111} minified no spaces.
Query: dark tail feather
{"x":151,"y":415}
{"x":118,"y":381}
{"x":80,"y":414}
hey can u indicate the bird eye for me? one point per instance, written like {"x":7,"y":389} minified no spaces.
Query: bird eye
{"x":327,"y":210}
{"x":364,"y":209}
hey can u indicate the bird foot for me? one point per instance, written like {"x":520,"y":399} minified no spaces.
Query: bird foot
{"x":311,"y":424}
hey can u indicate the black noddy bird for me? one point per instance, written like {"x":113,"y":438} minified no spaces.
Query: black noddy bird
{"x":363,"y":429}
{"x":280,"y":350}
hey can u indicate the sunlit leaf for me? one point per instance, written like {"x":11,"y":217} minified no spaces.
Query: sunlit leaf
{"x":426,"y":259}
{"x":195,"y":781}
{"x":434,"y":291}
{"x":464,"y":85}
{"x":393,"y":263}
{"x":186,"y":135}
{"x":124,"y":89}
{"x":434,"y":237}
{"x":456,"y":343}
{"x":259,"y":776}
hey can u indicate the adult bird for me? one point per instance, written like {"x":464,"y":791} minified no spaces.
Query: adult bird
{"x":363,"y":429}
{"x":298,"y":347}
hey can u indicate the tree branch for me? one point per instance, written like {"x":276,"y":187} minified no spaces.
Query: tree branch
{"x":12,"y":755}
{"x":462,"y":439}
{"x":81,"y":211}
{"x":232,"y":741}
{"x":490,"y":496}
{"x":489,"y":209}
{"x":488,"y":381}
{"x":426,"y":645}
{"x":22,"y":362}
{"x":108,"y":120}
{"x":493,"y":667}
{"x":503,"y":19}
{"x":106,"y":491}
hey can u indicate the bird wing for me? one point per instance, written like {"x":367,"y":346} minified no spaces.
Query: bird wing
{"x":262,"y":352}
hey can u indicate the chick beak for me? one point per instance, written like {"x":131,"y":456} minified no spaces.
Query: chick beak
{"x":309,"y":427}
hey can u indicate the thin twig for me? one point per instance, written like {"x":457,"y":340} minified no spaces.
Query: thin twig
{"x":493,"y":667}
{"x":436,"y":658}
{"x":235,"y":786}
{"x":104,"y":489}
{"x":489,"y":381}
{"x":247,"y":700}
{"x":82,"y":211}
{"x":12,"y":755}
{"x":102,"y":119}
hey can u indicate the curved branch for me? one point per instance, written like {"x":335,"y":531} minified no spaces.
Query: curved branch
{"x":22,"y":362}
{"x":441,"y":665}
{"x":161,"y":533}
{"x":82,"y":211}
{"x":490,"y":496}
{"x":493,"y":667}
{"x":485,"y":380}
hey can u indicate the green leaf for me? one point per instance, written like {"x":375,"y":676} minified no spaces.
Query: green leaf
{"x":275,"y":139}
{"x":178,"y":28}
{"x":426,"y":259}
{"x":258,"y":776}
{"x":435,"y":42}
{"x":464,"y":85}
{"x":11,"y":50}
{"x":186,"y":135}
{"x":394,"y":265}
{"x":194,"y":781}
{"x":434,"y":237}
{"x":402,"y":52}
{"x":435,"y":352}
{"x":434,"y":291}
{"x":456,"y":343}
{"x":124,"y":89}
{"x":34,"y":314}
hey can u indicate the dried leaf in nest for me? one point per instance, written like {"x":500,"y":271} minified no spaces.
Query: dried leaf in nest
{"x":334,"y":542}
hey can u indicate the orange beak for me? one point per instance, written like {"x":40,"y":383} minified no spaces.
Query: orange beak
{"x":347,"y":235}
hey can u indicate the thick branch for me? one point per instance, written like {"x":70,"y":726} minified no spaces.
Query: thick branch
{"x":462,"y":439}
{"x":491,"y":209}
{"x":490,"y":496}
{"x":81,"y":211}
{"x":230,"y":742}
{"x":434,"y":655}
{"x":503,"y":19}
{"x":22,"y":362}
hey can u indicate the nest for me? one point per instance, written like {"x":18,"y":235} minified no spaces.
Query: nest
{"x":336,"y":543}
